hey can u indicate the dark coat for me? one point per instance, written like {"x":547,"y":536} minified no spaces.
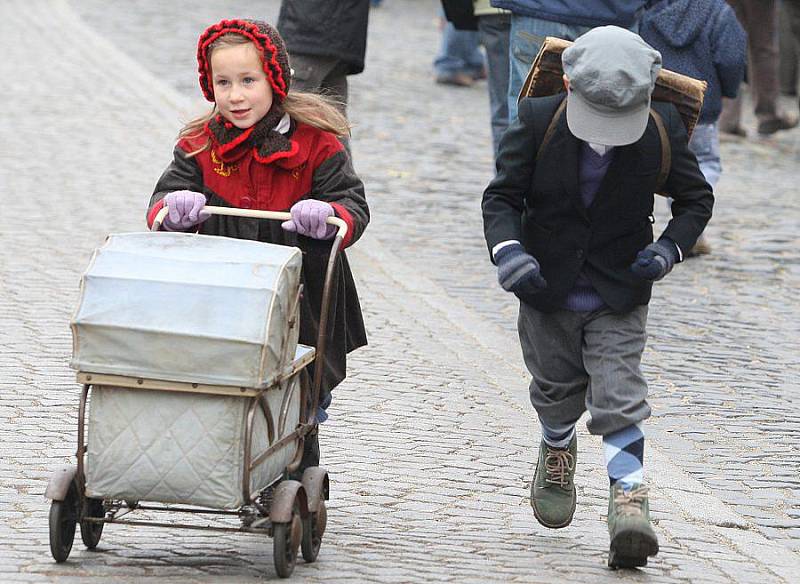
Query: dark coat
{"x":702,"y":39}
{"x":582,"y":12}
{"x":326,"y":28}
{"x":318,"y":167}
{"x":538,"y":202}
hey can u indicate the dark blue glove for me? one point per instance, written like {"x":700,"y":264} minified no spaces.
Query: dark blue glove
{"x":518,"y":271}
{"x":656,"y":260}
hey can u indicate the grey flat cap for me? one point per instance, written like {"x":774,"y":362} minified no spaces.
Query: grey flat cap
{"x":612,"y":73}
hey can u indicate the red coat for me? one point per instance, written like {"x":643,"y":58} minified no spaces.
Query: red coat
{"x":317,"y":166}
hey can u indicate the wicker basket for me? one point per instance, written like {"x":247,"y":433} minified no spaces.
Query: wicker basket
{"x":545,"y":78}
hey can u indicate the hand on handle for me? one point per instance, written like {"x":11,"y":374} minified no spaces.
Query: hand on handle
{"x":184,"y":210}
{"x":518,"y":271}
{"x":308,"y":218}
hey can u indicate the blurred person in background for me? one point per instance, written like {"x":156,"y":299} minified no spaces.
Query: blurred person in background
{"x":533,"y":20}
{"x":760,"y":20}
{"x":492,"y":26}
{"x":791,"y":9}
{"x":460,"y":61}
{"x":701,"y":39}
{"x":327,"y":42}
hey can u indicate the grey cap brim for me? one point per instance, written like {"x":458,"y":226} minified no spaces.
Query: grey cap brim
{"x":612,"y":127}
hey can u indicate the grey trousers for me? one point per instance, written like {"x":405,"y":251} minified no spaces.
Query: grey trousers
{"x":791,"y":8}
{"x":586,"y":361}
{"x":759,"y":18}
{"x":325,"y":75}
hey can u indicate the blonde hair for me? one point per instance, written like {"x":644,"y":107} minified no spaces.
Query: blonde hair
{"x":319,"y":111}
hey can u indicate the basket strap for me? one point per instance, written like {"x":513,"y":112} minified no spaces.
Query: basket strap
{"x":666,"y":150}
{"x":551,"y":128}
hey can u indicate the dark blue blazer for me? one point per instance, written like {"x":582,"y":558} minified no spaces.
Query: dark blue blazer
{"x":538,"y":202}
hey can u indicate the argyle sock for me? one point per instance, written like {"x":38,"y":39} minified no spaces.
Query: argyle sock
{"x":557,"y":436}
{"x":624,"y":454}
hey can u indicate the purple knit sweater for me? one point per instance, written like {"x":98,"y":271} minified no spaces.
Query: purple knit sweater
{"x":592,"y":168}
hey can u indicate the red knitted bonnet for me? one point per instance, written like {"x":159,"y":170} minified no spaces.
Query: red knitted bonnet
{"x":270,"y":47}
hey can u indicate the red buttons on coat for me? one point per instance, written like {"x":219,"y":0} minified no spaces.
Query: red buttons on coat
{"x":246,"y":203}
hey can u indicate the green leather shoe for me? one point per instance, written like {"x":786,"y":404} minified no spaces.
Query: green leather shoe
{"x":632,"y":537}
{"x":553,"y":486}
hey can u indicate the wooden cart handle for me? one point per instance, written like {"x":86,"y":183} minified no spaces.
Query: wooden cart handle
{"x":235,"y":212}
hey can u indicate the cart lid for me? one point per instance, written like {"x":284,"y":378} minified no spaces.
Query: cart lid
{"x":187,"y":307}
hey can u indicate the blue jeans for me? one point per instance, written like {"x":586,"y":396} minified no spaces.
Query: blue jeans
{"x":459,"y":53}
{"x":527,"y":36}
{"x":493,"y":30}
{"x":705,"y":145}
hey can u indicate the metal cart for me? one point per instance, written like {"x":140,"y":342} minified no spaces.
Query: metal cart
{"x":292,"y":512}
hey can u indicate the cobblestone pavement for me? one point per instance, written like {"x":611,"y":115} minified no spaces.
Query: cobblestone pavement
{"x":431,"y":438}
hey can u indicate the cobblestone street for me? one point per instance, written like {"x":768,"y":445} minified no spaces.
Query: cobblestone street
{"x":431,"y":443}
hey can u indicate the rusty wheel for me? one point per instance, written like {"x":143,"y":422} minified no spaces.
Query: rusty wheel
{"x":90,"y":531}
{"x":286,"y":539}
{"x":63,"y":519}
{"x":313,"y":530}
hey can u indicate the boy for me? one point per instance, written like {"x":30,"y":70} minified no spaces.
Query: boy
{"x":570,"y":230}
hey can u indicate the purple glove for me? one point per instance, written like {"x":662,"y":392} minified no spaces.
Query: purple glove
{"x":184,"y":210}
{"x":308,"y":218}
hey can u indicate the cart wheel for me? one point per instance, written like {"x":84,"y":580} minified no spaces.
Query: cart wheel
{"x":63,"y":517}
{"x":286,"y":539}
{"x":313,"y":529}
{"x":90,"y":531}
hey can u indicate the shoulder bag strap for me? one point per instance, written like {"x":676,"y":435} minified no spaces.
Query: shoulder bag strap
{"x":666,"y":150}
{"x":551,"y":128}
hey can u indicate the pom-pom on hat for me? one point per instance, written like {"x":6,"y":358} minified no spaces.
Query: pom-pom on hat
{"x":270,"y":47}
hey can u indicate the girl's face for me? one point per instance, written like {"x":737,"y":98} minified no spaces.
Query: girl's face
{"x":241,"y":88}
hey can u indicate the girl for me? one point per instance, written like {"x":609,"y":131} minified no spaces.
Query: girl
{"x":265,"y":147}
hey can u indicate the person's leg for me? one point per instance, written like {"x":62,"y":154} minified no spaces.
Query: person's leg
{"x":472,"y":54}
{"x":335,"y":85}
{"x":705,"y":146}
{"x":730,"y":121}
{"x":551,"y":347}
{"x":310,"y":71}
{"x":764,"y":53}
{"x":763,"y":37}
{"x":311,"y":451}
{"x":612,"y":352}
{"x":455,"y":64}
{"x":324,"y":75}
{"x":792,"y":10}
{"x":493,"y":31}
{"x":617,"y":402}
{"x":787,"y":43}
